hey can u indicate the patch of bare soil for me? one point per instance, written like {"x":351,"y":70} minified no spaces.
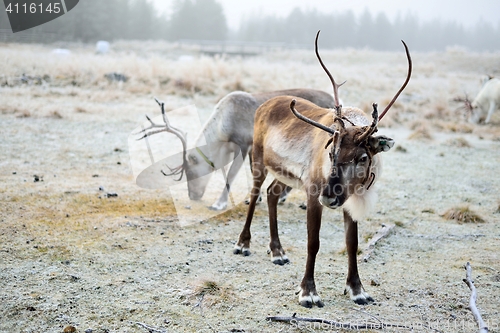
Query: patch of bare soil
{"x":83,"y":249}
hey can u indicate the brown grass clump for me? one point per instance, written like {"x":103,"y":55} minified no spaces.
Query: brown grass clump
{"x":463,"y":214}
{"x":421,"y":133}
{"x":458,"y":142}
{"x":458,"y":127}
{"x":206,"y":287}
{"x":210,"y":292}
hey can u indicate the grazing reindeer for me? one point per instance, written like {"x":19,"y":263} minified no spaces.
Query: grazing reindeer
{"x":485,"y":103}
{"x":291,"y":141}
{"x":228,"y":130}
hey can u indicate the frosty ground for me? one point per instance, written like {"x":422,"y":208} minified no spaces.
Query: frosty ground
{"x":71,"y":255}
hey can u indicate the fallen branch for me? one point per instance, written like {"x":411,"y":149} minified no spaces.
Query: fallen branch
{"x":473,"y":297}
{"x":331,"y":324}
{"x":381,"y":233}
{"x":151,"y":329}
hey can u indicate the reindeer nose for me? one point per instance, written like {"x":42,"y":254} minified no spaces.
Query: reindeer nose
{"x":329,"y":202}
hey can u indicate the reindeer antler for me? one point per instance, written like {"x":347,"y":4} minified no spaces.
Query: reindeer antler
{"x":309,"y":121}
{"x":170,"y":129}
{"x":410,"y":66}
{"x":372,"y":128}
{"x":467,"y":103}
{"x":338,"y":107}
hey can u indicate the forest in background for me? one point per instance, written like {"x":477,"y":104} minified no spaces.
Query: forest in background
{"x":111,"y":20}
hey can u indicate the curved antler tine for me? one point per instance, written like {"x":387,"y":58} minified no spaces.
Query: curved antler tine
{"x":336,"y":86}
{"x":166,"y":127}
{"x":175,"y":171}
{"x":373,"y":127}
{"x":309,"y":121}
{"x":410,"y":67}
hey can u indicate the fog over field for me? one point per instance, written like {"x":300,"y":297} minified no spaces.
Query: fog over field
{"x":86,"y":247}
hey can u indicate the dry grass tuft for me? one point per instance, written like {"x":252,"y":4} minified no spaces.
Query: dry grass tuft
{"x":458,"y":127}
{"x":209,"y":292}
{"x":421,"y":132}
{"x":400,"y":149}
{"x":437,"y":110}
{"x":458,"y":142}
{"x":207,"y":287}
{"x":54,"y":115}
{"x":463,"y":214}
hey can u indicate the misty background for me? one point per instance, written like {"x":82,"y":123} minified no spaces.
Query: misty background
{"x":112,"y":20}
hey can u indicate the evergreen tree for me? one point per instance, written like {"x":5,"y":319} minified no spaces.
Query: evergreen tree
{"x":197,"y":19}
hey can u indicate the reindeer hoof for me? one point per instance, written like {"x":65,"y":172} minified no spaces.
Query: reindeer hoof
{"x":241,"y":250}
{"x":247,"y":201}
{"x":217,"y":208}
{"x":361,"y":298}
{"x":280,"y":260}
{"x":303,"y":206}
{"x":363,"y":301}
{"x":309,"y":300}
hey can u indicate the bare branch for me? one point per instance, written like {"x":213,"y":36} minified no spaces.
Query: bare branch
{"x":151,"y":329}
{"x":381,"y":233}
{"x":335,"y":324}
{"x":473,"y":297}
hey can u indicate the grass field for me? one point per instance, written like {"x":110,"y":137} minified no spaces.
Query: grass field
{"x":71,"y":255}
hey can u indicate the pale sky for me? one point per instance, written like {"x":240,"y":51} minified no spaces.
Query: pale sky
{"x":467,"y":12}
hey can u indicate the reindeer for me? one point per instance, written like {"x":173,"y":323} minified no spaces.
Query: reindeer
{"x":228,"y":131}
{"x":332,"y":155}
{"x":485,"y":103}
{"x":487,"y":100}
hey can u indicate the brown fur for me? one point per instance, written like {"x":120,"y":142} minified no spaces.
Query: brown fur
{"x":279,"y":137}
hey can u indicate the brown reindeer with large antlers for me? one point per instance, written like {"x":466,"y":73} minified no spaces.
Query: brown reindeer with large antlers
{"x":332,"y":155}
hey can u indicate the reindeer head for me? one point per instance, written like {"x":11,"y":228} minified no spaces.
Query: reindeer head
{"x":352,"y":147}
{"x":467,"y":107}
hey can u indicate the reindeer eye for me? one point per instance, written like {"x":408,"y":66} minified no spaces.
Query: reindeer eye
{"x":363,"y":159}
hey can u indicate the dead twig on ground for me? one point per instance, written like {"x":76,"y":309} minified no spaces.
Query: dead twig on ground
{"x":335,"y":324}
{"x":199,"y":304}
{"x":151,"y":329}
{"x":378,"y":325}
{"x":473,"y":297}
{"x":381,"y":233}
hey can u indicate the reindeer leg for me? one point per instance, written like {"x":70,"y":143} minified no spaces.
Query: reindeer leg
{"x":490,"y":111}
{"x":259,"y":175}
{"x":221,"y":203}
{"x":284,"y":195}
{"x":353,"y":284}
{"x":247,"y":201}
{"x":308,"y":295}
{"x":274,"y":191}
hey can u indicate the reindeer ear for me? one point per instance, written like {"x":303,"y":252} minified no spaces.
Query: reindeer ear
{"x":378,"y":144}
